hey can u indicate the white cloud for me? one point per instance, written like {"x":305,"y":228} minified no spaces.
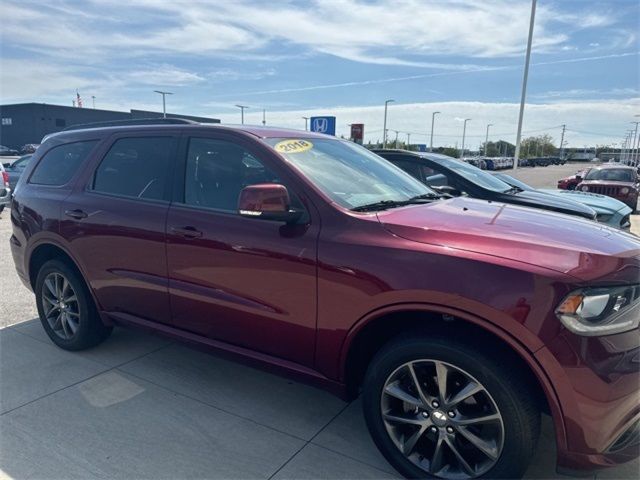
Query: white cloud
{"x":401,"y":32}
{"x":228,"y":74}
{"x":164,"y":75}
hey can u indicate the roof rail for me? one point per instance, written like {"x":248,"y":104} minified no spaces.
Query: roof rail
{"x":136,"y":121}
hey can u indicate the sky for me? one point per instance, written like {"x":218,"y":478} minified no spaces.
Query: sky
{"x":463,"y":58}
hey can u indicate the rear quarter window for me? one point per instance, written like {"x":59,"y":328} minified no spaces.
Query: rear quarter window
{"x":60,"y":163}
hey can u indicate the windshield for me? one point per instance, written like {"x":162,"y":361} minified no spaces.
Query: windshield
{"x":611,"y":174}
{"x":475,"y":175}
{"x":347,"y":173}
{"x":514,"y":182}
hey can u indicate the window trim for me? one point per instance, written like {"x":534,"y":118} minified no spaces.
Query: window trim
{"x":74,"y":175}
{"x":167,"y":189}
{"x":179,"y":190}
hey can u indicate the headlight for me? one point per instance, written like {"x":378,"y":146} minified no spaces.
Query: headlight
{"x":584,"y":188}
{"x":624,"y":190}
{"x":601,"y":311}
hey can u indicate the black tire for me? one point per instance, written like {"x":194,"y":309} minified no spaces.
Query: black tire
{"x":1,"y":208}
{"x":512,"y":396}
{"x":90,"y":329}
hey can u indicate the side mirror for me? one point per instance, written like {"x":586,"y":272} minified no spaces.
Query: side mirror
{"x":6,"y":165}
{"x":579,"y":178}
{"x":267,"y":201}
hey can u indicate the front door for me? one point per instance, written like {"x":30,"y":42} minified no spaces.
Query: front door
{"x":244,"y":281}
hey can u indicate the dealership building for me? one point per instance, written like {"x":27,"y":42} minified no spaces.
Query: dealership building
{"x":24,"y":123}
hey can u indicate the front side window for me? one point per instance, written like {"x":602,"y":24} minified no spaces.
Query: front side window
{"x":60,"y":163}
{"x":347,"y":173}
{"x":136,"y":168}
{"x":217,"y":170}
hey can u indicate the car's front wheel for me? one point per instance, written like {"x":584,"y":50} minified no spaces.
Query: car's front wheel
{"x":66,"y":308}
{"x":438,"y":408}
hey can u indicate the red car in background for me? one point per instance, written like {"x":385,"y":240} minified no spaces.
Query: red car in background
{"x":570,"y":183}
{"x":617,"y":181}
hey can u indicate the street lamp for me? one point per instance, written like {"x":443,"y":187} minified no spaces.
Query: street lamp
{"x":433,"y":119}
{"x":384,"y":128}
{"x":306,"y":126}
{"x":486,"y":139}
{"x":408,"y":141}
{"x":164,"y":104}
{"x":464,"y":133}
{"x":634,"y":153}
{"x":524,"y":83}
{"x":242,"y":108}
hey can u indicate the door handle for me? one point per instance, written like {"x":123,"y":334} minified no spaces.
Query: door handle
{"x":186,"y":232}
{"x":77,"y":214}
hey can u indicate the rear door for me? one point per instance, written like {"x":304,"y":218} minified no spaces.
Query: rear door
{"x":244,"y":281}
{"x":115,"y":222}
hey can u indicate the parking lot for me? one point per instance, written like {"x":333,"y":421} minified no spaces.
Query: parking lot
{"x":142,"y":406}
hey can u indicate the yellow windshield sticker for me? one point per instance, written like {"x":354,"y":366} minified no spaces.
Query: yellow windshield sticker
{"x":295,"y":145}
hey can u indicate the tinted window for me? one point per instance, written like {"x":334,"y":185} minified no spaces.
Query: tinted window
{"x":60,"y":163}
{"x":136,"y":167}
{"x":412,"y":168}
{"x":216,"y":172}
{"x":611,"y":174}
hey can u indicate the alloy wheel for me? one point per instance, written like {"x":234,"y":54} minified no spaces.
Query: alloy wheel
{"x":60,"y":305}
{"x":442,"y":419}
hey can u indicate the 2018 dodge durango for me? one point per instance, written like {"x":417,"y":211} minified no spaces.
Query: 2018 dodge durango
{"x":459,"y":321}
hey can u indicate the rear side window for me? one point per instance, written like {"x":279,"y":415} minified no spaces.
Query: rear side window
{"x":60,"y":163}
{"x":136,"y":168}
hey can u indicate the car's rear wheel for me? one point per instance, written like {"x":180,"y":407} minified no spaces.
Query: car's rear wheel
{"x":445,"y":409}
{"x":67,"y":311}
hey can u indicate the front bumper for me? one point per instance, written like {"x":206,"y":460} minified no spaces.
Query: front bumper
{"x":597,"y":384}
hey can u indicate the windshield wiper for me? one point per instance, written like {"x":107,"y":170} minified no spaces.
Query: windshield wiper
{"x":513,"y":190}
{"x":385,"y":204}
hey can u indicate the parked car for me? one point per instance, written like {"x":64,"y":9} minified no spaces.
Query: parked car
{"x":8,"y":152}
{"x":614,"y":181}
{"x":609,"y":211}
{"x":5,"y":189}
{"x":29,"y":148}
{"x":455,"y":178}
{"x":458,"y":320}
{"x":570,"y":183}
{"x":15,"y":169}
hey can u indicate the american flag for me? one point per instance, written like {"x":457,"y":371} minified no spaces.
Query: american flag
{"x":79,"y":99}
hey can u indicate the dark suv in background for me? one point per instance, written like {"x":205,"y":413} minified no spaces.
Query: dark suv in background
{"x":458,"y":320}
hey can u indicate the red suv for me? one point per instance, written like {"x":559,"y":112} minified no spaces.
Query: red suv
{"x":458,"y":320}
{"x":618,"y":181}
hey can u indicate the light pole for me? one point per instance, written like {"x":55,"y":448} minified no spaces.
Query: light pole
{"x":264,"y":116}
{"x":486,"y":138}
{"x":93,"y":98}
{"x":306,"y":126}
{"x":408,"y":141}
{"x":524,"y":83}
{"x":164,"y":103}
{"x":637,"y":154}
{"x":384,"y":127}
{"x":633,"y":143}
{"x":464,"y":133}
{"x":564,"y":127}
{"x":242,"y":108}
{"x":433,"y":119}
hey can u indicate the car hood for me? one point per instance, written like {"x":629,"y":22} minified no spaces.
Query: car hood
{"x":542,"y":200}
{"x":562,"y":243}
{"x":600,"y":203}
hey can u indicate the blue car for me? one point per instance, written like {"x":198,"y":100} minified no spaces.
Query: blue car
{"x":610,"y":211}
